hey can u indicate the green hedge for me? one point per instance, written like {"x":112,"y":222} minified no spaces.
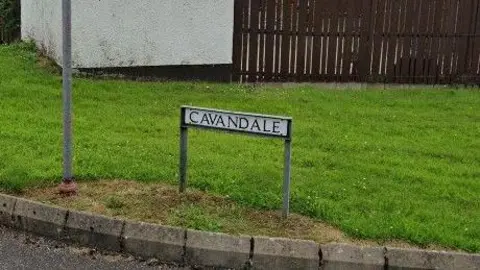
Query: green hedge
{"x":9,"y":20}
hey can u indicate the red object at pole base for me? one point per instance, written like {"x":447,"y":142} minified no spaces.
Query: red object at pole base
{"x":68,"y":187}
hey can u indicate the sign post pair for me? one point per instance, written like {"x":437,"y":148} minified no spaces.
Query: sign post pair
{"x":238,"y":122}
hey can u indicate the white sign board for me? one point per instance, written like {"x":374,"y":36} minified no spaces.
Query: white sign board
{"x":239,"y":122}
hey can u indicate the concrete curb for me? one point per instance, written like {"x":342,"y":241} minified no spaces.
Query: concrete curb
{"x":7,"y":205}
{"x":398,"y":258}
{"x":152,"y":241}
{"x":280,"y":253}
{"x":217,"y":250}
{"x":179,"y":245}
{"x":39,"y":218}
{"x":94,"y":231}
{"x":342,"y":256}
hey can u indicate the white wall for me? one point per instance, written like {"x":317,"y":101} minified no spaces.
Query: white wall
{"x":125,"y":33}
{"x":42,"y":22}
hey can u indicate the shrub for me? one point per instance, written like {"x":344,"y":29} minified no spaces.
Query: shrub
{"x":9,"y":20}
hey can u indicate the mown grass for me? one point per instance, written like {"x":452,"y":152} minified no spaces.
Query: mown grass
{"x":399,"y":164}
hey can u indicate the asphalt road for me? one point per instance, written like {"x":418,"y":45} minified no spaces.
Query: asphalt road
{"x":24,"y":251}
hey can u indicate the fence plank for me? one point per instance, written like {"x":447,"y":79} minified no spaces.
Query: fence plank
{"x":413,"y":42}
{"x":365,"y":51}
{"x":301,"y":39}
{"x":245,"y":37}
{"x":449,"y":46}
{"x":470,"y":58}
{"x":420,"y":25}
{"x":309,"y":39}
{"x":332,"y":53}
{"x":466,"y":26}
{"x":442,"y":40}
{"x":435,"y":30}
{"x":317,"y":39}
{"x":270,"y":39}
{"x":237,"y":40}
{"x":386,"y":39}
{"x":406,"y":42}
{"x":428,"y":12}
{"x":294,"y":42}
{"x":400,"y":40}
{"x":261,"y":40}
{"x":358,"y":36}
{"x":253,"y":40}
{"x":348,"y":36}
{"x":395,"y":11}
{"x":377,"y":39}
{"x":475,"y":55}
{"x":286,"y":39}
{"x":278,"y":38}
{"x":431,"y":57}
{"x":327,"y":13}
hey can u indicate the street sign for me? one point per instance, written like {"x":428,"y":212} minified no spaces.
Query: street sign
{"x":238,"y":122}
{"x":267,"y":125}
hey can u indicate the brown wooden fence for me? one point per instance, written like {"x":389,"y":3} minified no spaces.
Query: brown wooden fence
{"x":394,"y":41}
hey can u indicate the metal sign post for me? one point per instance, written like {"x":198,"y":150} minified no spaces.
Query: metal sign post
{"x":286,"y":176}
{"x":183,"y":153}
{"x":68,"y":185}
{"x":238,"y":122}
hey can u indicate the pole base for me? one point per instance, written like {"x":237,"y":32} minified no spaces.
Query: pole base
{"x":68,"y":188}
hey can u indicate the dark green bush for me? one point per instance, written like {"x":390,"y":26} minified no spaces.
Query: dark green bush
{"x":9,"y":20}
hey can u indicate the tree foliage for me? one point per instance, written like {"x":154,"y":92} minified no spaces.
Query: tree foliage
{"x":9,"y":20}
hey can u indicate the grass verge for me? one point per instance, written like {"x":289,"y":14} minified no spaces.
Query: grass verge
{"x":162,"y":204}
{"x":381,"y":165}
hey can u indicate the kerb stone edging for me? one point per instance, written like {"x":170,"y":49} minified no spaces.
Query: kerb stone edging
{"x":197,"y":248}
{"x":217,"y":250}
{"x":399,"y":258}
{"x":153,"y":241}
{"x":7,"y":204}
{"x":39,"y":218}
{"x":279,"y":253}
{"x":343,"y":256}
{"x":94,"y":231}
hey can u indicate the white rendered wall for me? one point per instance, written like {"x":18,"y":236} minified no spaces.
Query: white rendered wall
{"x":42,"y":22}
{"x":126,"y":33}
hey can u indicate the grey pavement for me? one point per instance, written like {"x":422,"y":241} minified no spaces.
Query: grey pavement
{"x":23,"y":251}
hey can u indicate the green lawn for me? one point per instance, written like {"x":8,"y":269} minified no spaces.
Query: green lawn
{"x":399,"y":164}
